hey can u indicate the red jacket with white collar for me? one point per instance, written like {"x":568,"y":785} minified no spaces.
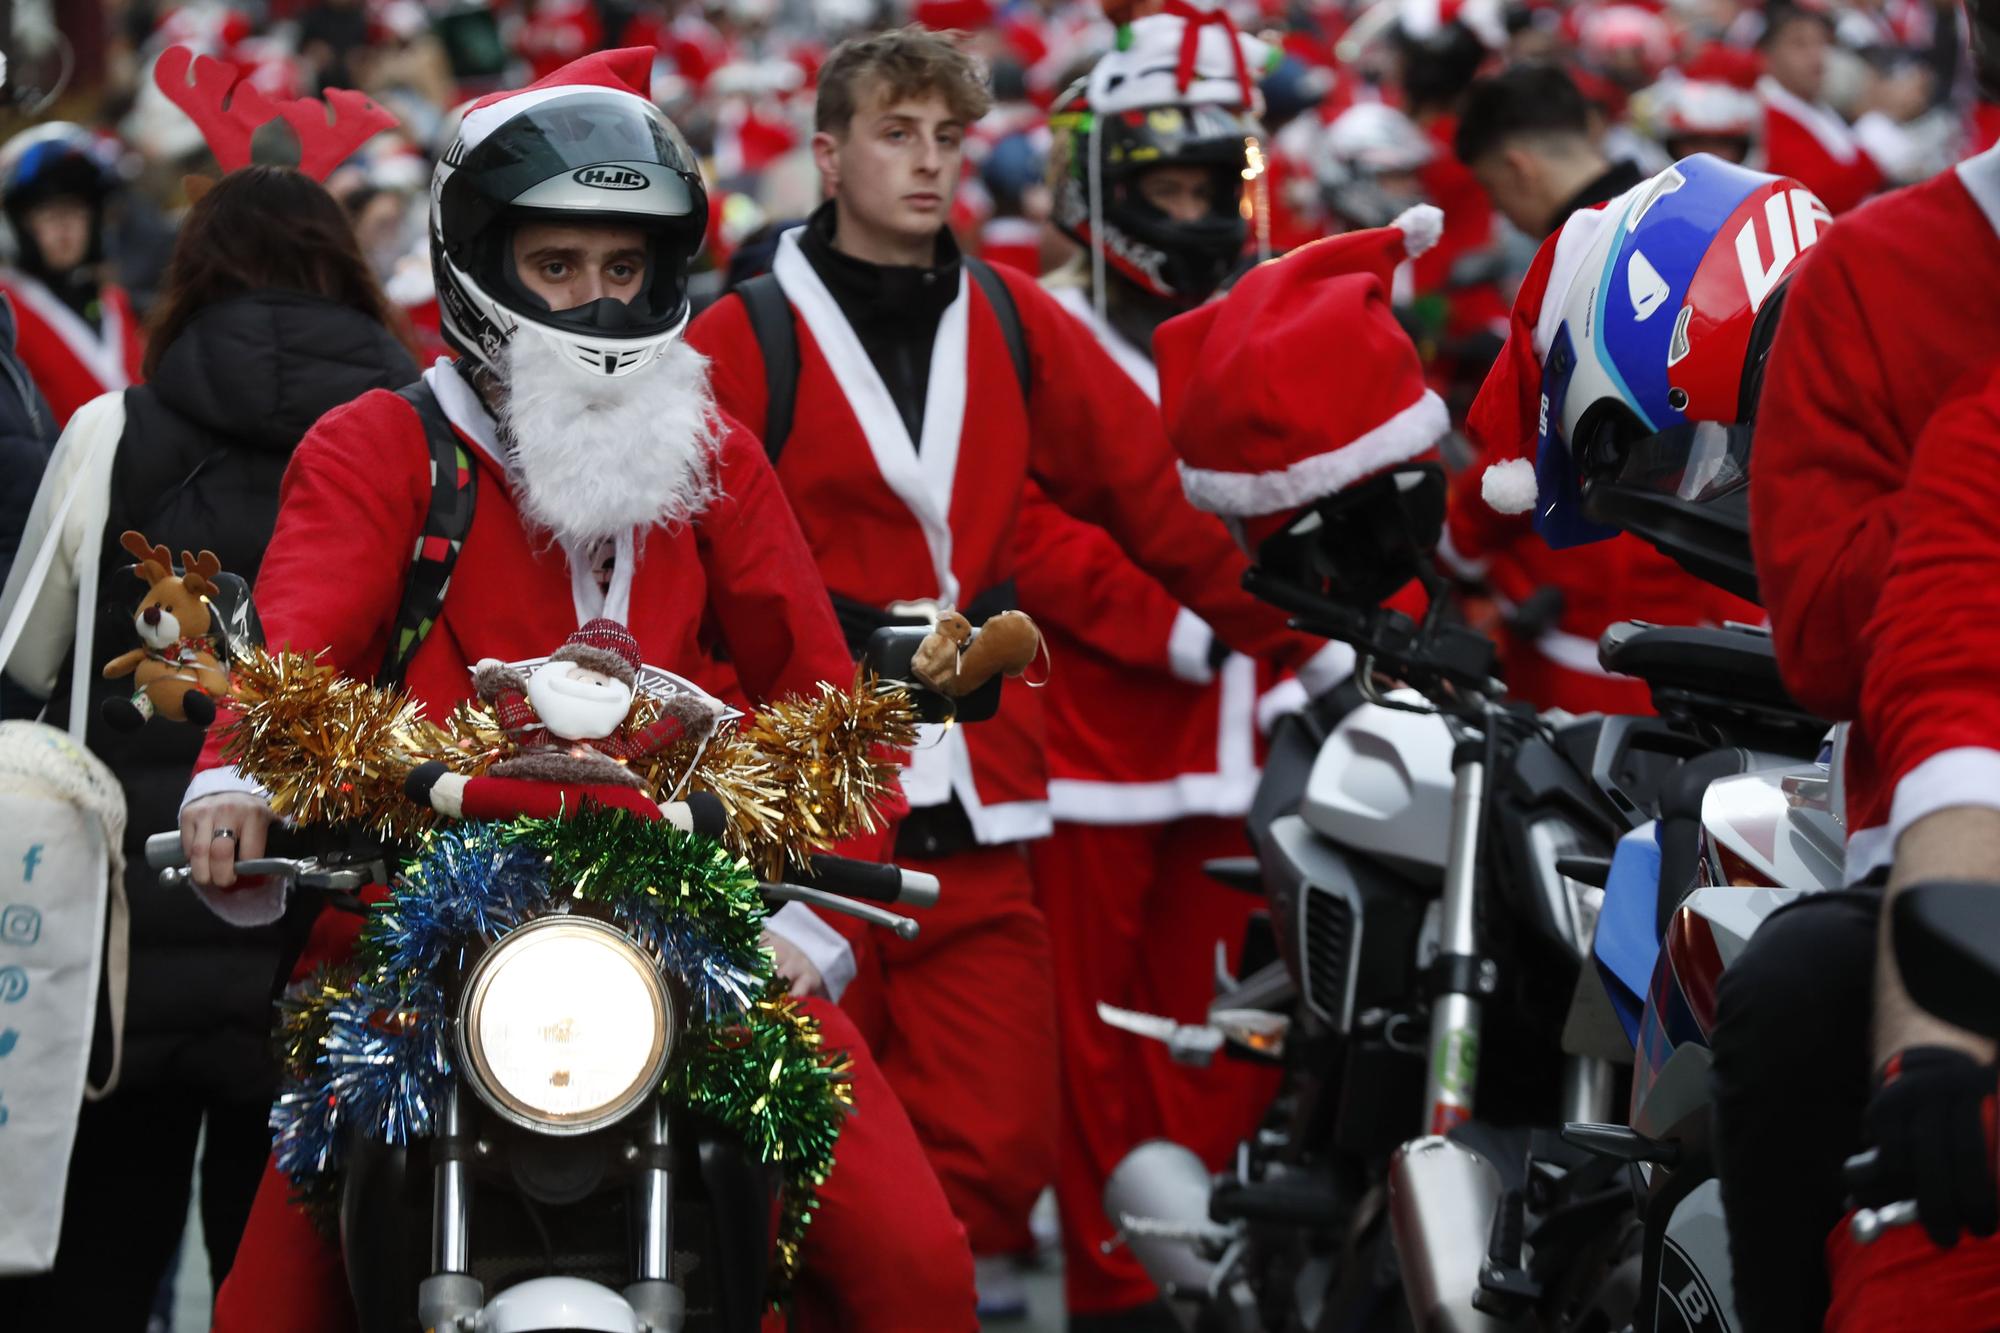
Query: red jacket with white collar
{"x":889,"y":522}
{"x":1621,"y":578}
{"x":1930,"y":701}
{"x":1143,"y":727}
{"x":353,"y":504}
{"x":72,"y":363}
{"x":1876,"y":336}
{"x":1813,"y":145}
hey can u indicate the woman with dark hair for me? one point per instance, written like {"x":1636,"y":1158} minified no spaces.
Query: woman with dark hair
{"x":269,"y":317}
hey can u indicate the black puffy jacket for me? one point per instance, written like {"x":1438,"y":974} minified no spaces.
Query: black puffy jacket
{"x":205,"y":446}
{"x":27,"y":434}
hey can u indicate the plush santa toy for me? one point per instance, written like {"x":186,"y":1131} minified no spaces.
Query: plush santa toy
{"x":570,"y":721}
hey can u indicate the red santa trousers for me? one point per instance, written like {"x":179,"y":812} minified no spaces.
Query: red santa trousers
{"x":967,"y":1039}
{"x":883,"y":1253}
{"x":1134,"y":921}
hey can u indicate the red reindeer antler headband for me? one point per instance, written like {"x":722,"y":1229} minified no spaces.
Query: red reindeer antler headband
{"x":228,"y":110}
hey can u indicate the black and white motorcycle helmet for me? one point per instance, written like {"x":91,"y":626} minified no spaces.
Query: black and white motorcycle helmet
{"x":583,"y":145}
{"x":1144,"y":106}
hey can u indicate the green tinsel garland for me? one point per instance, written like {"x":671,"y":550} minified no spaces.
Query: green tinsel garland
{"x":611,"y":857}
{"x":760,"y":1071}
{"x":765,"y":1076}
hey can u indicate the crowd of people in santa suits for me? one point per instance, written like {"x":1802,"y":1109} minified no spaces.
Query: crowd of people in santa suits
{"x":981,"y":423}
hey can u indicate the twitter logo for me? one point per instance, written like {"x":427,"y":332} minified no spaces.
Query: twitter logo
{"x":7,"y":1039}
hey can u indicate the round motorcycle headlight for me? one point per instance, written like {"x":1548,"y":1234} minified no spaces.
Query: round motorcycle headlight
{"x":566,"y":1026}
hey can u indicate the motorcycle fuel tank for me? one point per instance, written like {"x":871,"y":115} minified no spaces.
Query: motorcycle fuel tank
{"x":1382,"y":786}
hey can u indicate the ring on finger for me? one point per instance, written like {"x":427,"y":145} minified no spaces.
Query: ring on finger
{"x":222,"y":833}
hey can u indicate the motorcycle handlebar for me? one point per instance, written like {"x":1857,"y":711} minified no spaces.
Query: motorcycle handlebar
{"x":870,"y":881}
{"x":164,"y":850}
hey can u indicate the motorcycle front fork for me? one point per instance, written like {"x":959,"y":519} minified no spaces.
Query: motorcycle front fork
{"x":451,"y":1298}
{"x":1463,"y":977}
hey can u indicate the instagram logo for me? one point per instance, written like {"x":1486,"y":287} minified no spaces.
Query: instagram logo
{"x":20,"y":924}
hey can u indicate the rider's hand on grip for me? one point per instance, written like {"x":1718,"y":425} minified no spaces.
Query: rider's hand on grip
{"x":1932,"y":1120}
{"x":220,"y":830}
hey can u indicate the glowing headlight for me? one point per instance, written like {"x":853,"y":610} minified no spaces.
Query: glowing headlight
{"x":566,"y":1026}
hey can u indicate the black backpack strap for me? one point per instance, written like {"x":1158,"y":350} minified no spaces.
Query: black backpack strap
{"x":454,"y":488}
{"x":1009,"y":316}
{"x":771,"y":321}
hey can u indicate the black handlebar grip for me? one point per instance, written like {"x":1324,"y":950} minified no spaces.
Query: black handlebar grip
{"x":871,"y":881}
{"x":706,"y":815}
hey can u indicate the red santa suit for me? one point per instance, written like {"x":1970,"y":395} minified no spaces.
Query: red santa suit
{"x":970,"y":1039}
{"x":72,"y":362}
{"x":1843,"y":164}
{"x":1152,"y":751}
{"x":1930,"y":704}
{"x":1618,"y":579}
{"x":351,"y":511}
{"x":1876,"y":336}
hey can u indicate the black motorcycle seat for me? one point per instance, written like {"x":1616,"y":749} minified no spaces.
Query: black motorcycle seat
{"x":1736,"y":661}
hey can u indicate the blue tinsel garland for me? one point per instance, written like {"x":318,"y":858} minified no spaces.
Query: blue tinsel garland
{"x":382,"y":1069}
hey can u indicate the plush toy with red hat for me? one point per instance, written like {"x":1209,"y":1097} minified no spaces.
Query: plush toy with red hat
{"x":1301,"y":382}
{"x":570,"y":721}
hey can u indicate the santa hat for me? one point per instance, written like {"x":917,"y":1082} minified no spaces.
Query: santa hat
{"x":603,"y":646}
{"x":628,"y":71}
{"x":1265,"y":419}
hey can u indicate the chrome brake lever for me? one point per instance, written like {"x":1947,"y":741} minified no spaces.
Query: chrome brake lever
{"x":904,"y":926}
{"x":295,"y":874}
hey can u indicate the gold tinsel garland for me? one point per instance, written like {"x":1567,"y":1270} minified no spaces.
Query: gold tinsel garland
{"x":798,"y":777}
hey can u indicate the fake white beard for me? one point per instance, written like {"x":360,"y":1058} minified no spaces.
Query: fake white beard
{"x":574,"y":709}
{"x":597,"y":457}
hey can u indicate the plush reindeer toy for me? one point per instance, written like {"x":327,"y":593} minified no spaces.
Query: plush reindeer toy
{"x":175,"y":672}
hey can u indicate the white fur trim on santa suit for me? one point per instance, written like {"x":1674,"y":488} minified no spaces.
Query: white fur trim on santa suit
{"x":1130,"y":359}
{"x":922,"y":480}
{"x":1457,"y":561}
{"x":1980,"y":175}
{"x":1422,"y":226}
{"x":1226,"y":792}
{"x":102,"y":353}
{"x":1189,"y":643}
{"x":1968,"y":775}
{"x":1402,"y":437}
{"x":1823,"y":123}
{"x":1508,"y":487}
{"x":1965,"y":777}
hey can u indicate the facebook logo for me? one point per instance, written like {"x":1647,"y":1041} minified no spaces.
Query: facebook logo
{"x":29,"y":862}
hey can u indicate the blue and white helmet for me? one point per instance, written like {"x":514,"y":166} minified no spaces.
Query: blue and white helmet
{"x":1662,"y":330}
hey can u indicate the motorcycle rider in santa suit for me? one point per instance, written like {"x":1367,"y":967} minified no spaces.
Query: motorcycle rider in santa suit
{"x":608,"y":485}
{"x":911,"y":448}
{"x":1877,"y":336}
{"x":1152,"y":721}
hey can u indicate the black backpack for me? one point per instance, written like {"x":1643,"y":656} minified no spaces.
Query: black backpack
{"x":454,"y":489}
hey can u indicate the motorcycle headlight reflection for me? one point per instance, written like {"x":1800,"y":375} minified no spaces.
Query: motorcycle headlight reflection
{"x":566,"y":1026}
